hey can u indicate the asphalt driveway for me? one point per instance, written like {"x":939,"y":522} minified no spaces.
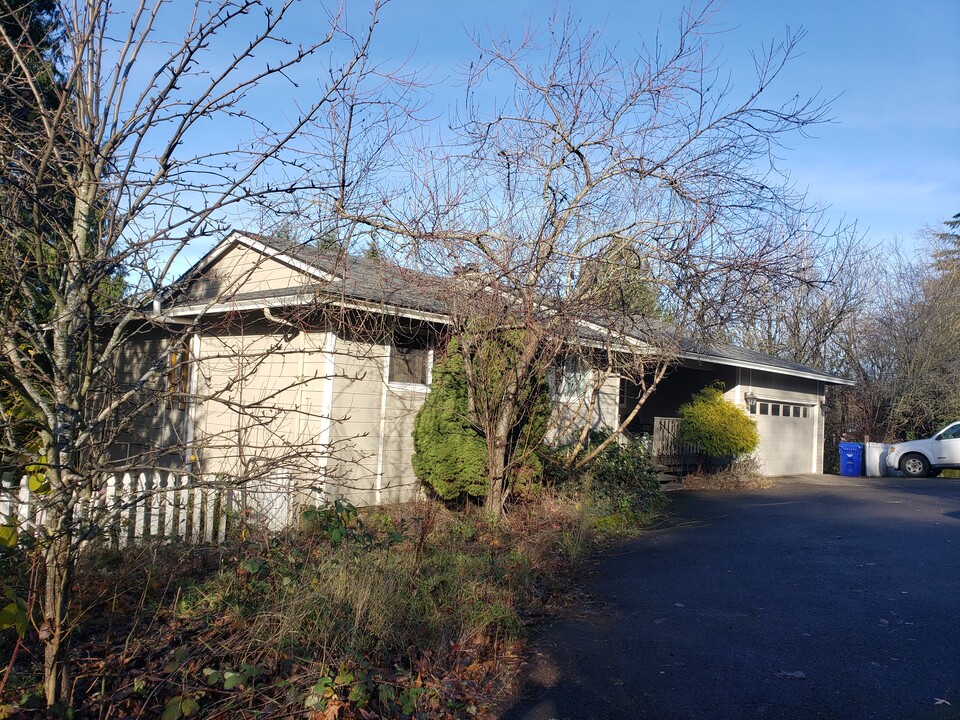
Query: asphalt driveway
{"x":824,"y":597}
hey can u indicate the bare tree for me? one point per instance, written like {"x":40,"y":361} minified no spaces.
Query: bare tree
{"x":903,"y":352}
{"x":147,"y":134}
{"x":592,"y":162}
{"x":809,"y":315}
{"x":880,"y":316}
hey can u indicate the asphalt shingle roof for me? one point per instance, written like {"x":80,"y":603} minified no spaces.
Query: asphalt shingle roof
{"x":380,"y":282}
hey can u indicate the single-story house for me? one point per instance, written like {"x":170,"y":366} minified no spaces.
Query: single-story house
{"x":308,"y":366}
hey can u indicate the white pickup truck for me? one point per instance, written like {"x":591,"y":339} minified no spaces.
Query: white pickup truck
{"x":926,"y":458}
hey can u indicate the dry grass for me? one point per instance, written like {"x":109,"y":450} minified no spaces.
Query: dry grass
{"x":413,"y":610}
{"x":416,"y":611}
{"x":741,"y":474}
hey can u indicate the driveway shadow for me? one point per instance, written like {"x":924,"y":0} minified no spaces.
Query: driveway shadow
{"x":808,"y":600}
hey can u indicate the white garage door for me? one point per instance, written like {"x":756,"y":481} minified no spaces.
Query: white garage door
{"x":786,"y":436}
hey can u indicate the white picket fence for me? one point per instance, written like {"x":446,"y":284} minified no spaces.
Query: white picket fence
{"x":158,"y":505}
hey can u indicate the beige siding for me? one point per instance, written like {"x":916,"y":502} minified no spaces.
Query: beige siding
{"x":259,"y":414}
{"x":571,"y":413}
{"x":376,"y":425}
{"x":608,"y":404}
{"x":263,"y":415}
{"x":399,"y":482}
{"x":356,"y":429}
{"x":240,"y":269}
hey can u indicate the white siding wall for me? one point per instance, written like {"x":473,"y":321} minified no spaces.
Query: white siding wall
{"x":570,"y":413}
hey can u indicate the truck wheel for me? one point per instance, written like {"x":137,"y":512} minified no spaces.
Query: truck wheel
{"x":915,"y":466}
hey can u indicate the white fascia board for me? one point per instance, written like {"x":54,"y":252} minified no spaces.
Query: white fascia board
{"x":768,"y":368}
{"x":198,"y":309}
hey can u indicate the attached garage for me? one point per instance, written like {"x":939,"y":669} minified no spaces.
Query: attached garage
{"x":784,"y":398}
{"x":788,"y":436}
{"x":788,"y":409}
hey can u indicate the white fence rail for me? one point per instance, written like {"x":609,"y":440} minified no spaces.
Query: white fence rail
{"x":158,"y":505}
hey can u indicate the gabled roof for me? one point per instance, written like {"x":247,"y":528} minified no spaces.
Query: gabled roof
{"x":381,"y":286}
{"x":333,"y":276}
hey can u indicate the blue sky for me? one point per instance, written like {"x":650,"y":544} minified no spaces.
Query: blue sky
{"x":891,"y":158}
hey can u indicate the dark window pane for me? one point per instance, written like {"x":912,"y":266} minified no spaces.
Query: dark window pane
{"x":409,"y":361}
{"x":951,"y":433}
{"x":774,"y":409}
{"x":764,"y":408}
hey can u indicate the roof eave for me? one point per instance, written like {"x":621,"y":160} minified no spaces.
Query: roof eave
{"x":219,"y":308}
{"x":763,"y":367}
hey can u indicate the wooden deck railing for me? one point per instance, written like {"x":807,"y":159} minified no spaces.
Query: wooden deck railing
{"x":668,"y":449}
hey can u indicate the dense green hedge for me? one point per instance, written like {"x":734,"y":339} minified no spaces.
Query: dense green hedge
{"x":450,"y":457}
{"x":450,"y":454}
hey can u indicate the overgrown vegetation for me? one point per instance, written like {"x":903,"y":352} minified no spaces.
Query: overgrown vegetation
{"x":406,"y":611}
{"x":620,"y":485}
{"x":542,"y":195}
{"x":717,"y":426}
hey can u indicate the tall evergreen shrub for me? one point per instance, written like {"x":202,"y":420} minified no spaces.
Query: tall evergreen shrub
{"x":450,"y":454}
{"x":450,"y":457}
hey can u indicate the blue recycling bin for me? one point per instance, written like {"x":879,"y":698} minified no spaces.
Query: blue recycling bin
{"x":851,"y":459}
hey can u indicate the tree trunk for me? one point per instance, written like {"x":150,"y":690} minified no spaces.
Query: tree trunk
{"x":502,"y":421}
{"x":498,"y":487}
{"x":58,"y":562}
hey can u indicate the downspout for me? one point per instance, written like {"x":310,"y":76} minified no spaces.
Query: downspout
{"x":268,"y":314}
{"x":194,"y":389}
{"x":326,"y":406}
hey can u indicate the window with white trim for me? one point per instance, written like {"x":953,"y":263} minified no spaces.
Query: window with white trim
{"x":570,"y":378}
{"x":777,"y":409}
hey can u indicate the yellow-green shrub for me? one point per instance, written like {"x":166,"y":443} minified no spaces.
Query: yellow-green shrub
{"x":717,"y":426}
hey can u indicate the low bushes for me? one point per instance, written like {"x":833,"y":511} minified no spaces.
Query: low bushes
{"x":741,"y":474}
{"x":408,"y":611}
{"x":620,"y":487}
